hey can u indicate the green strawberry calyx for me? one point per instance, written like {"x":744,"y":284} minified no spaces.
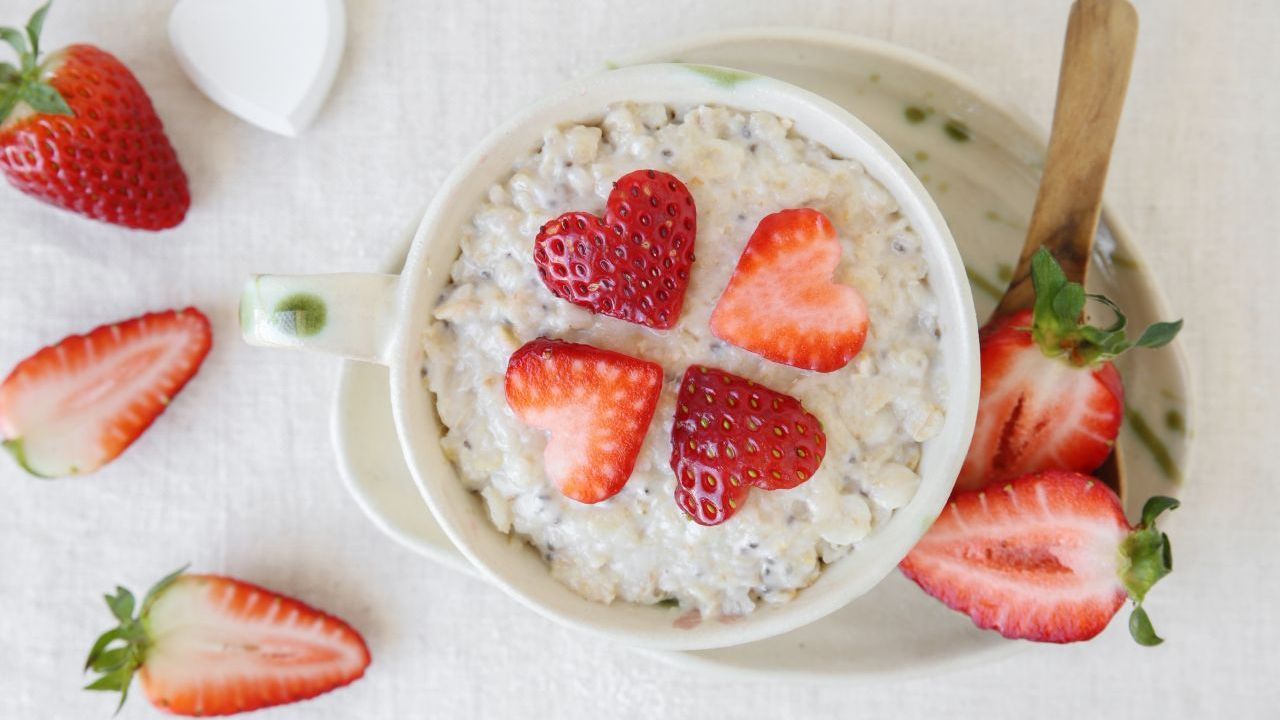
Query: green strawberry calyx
{"x":1145,"y":557}
{"x":24,"y":83}
{"x":120,"y":651}
{"x":1057,"y":319}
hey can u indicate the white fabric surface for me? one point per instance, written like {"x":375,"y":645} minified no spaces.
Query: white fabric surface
{"x":238,"y":477}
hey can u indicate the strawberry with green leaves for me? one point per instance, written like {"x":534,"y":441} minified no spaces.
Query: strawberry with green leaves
{"x":1051,"y":398}
{"x":210,"y":645}
{"x":1047,"y":557}
{"x":78,"y":131}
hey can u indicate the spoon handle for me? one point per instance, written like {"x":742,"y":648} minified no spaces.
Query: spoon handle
{"x":1096,"y":58}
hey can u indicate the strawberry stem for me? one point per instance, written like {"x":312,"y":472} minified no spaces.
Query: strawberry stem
{"x":26,"y":85}
{"x":120,"y":651}
{"x":1147,"y":556}
{"x":1057,"y":319}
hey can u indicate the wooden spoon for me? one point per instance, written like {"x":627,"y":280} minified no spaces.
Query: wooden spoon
{"x":1096,"y":59}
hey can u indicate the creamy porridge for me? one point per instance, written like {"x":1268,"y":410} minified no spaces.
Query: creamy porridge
{"x":639,"y":545}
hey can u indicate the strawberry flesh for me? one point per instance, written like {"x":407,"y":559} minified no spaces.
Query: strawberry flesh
{"x":596,"y":404}
{"x":1038,"y":558}
{"x":781,"y":302}
{"x":633,"y":264}
{"x":730,"y":434}
{"x":1037,"y":412}
{"x":110,"y":159}
{"x":75,"y":406}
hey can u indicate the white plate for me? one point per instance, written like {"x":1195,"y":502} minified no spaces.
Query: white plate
{"x":985,"y":186}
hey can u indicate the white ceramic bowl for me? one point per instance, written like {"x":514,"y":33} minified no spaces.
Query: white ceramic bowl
{"x":381,"y":318}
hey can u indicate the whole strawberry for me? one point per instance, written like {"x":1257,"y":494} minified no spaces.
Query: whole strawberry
{"x":1051,"y":398}
{"x":78,"y":131}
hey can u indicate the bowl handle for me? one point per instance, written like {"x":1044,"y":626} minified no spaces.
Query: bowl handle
{"x":352,"y":315}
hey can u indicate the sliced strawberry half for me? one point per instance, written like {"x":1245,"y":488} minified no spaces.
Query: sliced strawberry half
{"x":596,"y":404}
{"x":1038,"y":412}
{"x":633,"y":264}
{"x":75,"y":406}
{"x":730,"y":434}
{"x":1051,"y":398}
{"x":781,"y":302}
{"x":211,"y":645}
{"x":1047,"y":557}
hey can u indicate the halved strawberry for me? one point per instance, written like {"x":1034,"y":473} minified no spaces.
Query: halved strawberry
{"x":729,"y":434}
{"x":781,"y":302}
{"x":1047,"y":557}
{"x":634,"y":263}
{"x":596,"y":404}
{"x":73,"y":407}
{"x":211,"y":645}
{"x":1051,"y":399}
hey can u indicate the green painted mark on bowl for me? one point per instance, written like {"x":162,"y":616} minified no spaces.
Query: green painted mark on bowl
{"x":1123,"y":261}
{"x":996,"y":217}
{"x":914,"y":115}
{"x":1004,"y":271}
{"x":723,"y":77}
{"x":1159,"y":451}
{"x":1175,"y":422}
{"x":956,"y":130}
{"x":977,"y":280}
{"x":300,"y":315}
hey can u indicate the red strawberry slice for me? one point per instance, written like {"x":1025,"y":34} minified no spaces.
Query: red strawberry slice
{"x":73,"y":407}
{"x":781,"y":302}
{"x":77,"y":130}
{"x":596,"y":404}
{"x":1051,"y":399}
{"x":210,"y":645}
{"x":1037,"y":412}
{"x":633,"y":264}
{"x":729,"y":434}
{"x":1047,"y":557}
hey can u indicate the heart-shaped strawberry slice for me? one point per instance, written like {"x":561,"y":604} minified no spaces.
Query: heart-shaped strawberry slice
{"x":597,"y":405}
{"x":730,"y":434}
{"x":781,"y":302}
{"x":633,"y":264}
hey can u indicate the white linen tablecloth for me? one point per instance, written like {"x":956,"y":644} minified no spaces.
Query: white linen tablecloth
{"x":238,"y":477}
